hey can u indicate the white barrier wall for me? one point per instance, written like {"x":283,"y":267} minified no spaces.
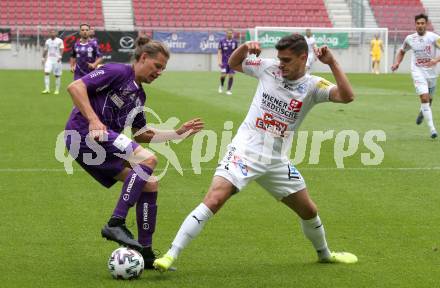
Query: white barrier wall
{"x":353,"y":60}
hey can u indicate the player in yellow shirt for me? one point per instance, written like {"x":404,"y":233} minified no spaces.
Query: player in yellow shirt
{"x":376,"y":51}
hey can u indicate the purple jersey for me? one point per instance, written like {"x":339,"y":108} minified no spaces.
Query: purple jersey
{"x":84,"y":53}
{"x":113,"y":94}
{"x":227,"y":47}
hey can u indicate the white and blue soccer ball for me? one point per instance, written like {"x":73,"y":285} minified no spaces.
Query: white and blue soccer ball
{"x":125,"y":263}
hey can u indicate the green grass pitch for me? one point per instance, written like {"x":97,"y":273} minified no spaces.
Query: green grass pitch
{"x":388,"y":214}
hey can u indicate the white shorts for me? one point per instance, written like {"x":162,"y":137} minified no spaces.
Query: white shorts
{"x":280,"y":180}
{"x":53,"y":66}
{"x":310,"y":60}
{"x":424,"y":85}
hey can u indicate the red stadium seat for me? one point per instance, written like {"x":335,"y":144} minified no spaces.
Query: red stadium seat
{"x":232,"y":13}
{"x":52,"y":12}
{"x":397,"y":14}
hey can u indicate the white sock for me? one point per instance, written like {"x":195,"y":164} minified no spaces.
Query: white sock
{"x":427,"y":114}
{"x":47,"y":81}
{"x":314,"y":231}
{"x":190,"y":228}
{"x":57,"y":83}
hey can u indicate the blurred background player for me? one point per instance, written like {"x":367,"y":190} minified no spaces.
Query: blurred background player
{"x":259,"y":150}
{"x":97,"y":117}
{"x":423,"y":44}
{"x":52,"y":54}
{"x":311,"y":43}
{"x":92,"y":37}
{"x":85,"y":54}
{"x":225,"y":48}
{"x":376,"y":48}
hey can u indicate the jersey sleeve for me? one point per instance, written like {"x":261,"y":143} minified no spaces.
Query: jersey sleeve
{"x":254,"y":66}
{"x":321,"y":89}
{"x":436,"y":40}
{"x":61,"y":43}
{"x":46,"y":45}
{"x":406,"y":46}
{"x":97,"y":51}
{"x":73,"y":55}
{"x":102,"y":78}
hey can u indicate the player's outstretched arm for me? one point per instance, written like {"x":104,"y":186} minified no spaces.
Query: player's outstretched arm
{"x":239,"y":54}
{"x":152,"y":135}
{"x":343,"y":93}
{"x":399,"y":58}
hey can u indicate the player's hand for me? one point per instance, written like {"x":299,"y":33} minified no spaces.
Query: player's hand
{"x":97,"y":130}
{"x":253,"y":47}
{"x":325,"y":55}
{"x":394,"y":67}
{"x":72,"y":69}
{"x":43,"y":60}
{"x":431,"y":63}
{"x":194,"y":126}
{"x":91,"y":66}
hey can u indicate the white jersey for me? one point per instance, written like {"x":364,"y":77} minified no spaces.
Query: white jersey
{"x":53,"y":48}
{"x":278,"y":108}
{"x":311,"y":43}
{"x":423,"y":48}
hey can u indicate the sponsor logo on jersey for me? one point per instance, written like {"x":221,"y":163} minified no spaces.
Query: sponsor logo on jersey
{"x":96,"y":74}
{"x":253,"y":62}
{"x":118,"y":101}
{"x":99,"y":89}
{"x":271,"y":125}
{"x":278,"y":106}
{"x":287,"y":86}
{"x":323,"y":84}
{"x":295,"y":105}
{"x":301,"y":88}
{"x":238,"y":162}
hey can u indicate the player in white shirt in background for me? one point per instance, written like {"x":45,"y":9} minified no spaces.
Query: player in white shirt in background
{"x":52,"y":54}
{"x":260,"y":149}
{"x":423,"y":61}
{"x":311,"y":43}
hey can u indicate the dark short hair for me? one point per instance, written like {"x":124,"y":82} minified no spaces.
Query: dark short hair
{"x":84,"y":24}
{"x":294,"y":42}
{"x":420,"y":16}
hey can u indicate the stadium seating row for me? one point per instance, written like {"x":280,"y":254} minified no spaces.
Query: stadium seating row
{"x":50,"y":12}
{"x":229,"y":13}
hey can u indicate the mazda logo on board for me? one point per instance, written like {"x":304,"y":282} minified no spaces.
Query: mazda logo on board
{"x":126,"y":42}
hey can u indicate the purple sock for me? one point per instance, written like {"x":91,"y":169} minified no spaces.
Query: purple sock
{"x":131,"y":191}
{"x":230,"y":81}
{"x":146,"y":211}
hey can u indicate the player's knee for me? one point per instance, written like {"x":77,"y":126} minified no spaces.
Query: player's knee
{"x":309,"y":211}
{"x":151,"y":161}
{"x":424,"y":98}
{"x":214,"y":203}
{"x":152,"y":185}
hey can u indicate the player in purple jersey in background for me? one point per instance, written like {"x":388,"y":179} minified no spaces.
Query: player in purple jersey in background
{"x":85,"y":54}
{"x":106,"y":101}
{"x":92,"y":37}
{"x":225,"y":48}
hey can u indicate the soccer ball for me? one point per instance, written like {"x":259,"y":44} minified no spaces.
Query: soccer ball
{"x":125,"y":263}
